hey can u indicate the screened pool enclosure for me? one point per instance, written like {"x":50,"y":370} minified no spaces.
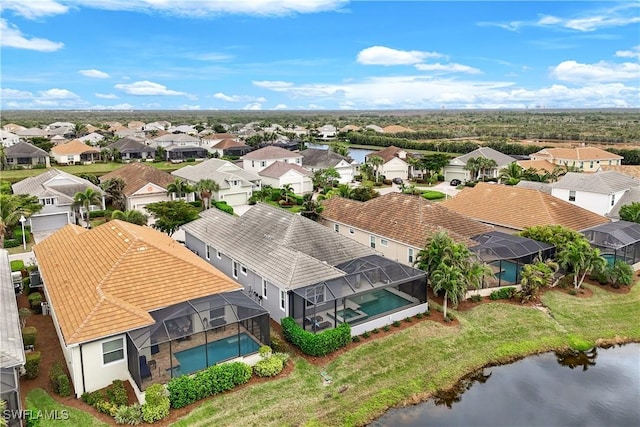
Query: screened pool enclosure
{"x":373,"y":287}
{"x":619,"y":240}
{"x":195,"y":334}
{"x":506,"y":254}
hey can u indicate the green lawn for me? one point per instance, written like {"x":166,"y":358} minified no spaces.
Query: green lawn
{"x":39,"y":400}
{"x":292,"y":209}
{"x":420,"y":360}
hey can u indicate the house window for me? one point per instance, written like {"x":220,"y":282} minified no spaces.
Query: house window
{"x":235,"y":270}
{"x":613,"y":199}
{"x":112,"y":351}
{"x":581,"y":165}
{"x":263,"y":164}
{"x":207,"y":253}
{"x":384,"y":242}
{"x":69,"y":158}
{"x":591,"y":165}
{"x":609,"y":162}
{"x":298,"y":161}
{"x":47,"y":201}
{"x":314,"y":295}
{"x":572,"y":196}
{"x":410,"y":256}
{"x":351,"y":231}
{"x":264,"y":289}
{"x":253,"y":164}
{"x":283,"y":300}
{"x":218,"y":254}
{"x":234,"y":182}
{"x":243,"y":268}
{"x":372,"y":241}
{"x":336,"y":228}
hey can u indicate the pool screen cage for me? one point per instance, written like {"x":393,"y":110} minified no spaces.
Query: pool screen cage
{"x":619,"y":240}
{"x":206,"y":320}
{"x":507,"y":253}
{"x":315,"y":307}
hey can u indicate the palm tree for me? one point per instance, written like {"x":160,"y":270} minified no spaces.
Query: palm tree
{"x":132,"y":216}
{"x":473,"y":166}
{"x":311,"y":208}
{"x":581,"y":258}
{"x":536,"y":275}
{"x":9,"y":215}
{"x":485,"y":165}
{"x":285,"y":191}
{"x":375,"y":162}
{"x":414,"y":163}
{"x":512,"y":172}
{"x":339,"y":148}
{"x":87,"y":198}
{"x":630,"y":212}
{"x":114,"y":188}
{"x":179,"y":187}
{"x":207,"y":187}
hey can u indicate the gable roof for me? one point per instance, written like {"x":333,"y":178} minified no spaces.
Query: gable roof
{"x":220,"y":171}
{"x":322,"y":159}
{"x":278,"y":168}
{"x":11,"y":346}
{"x":24,"y":149}
{"x":486,"y":152}
{"x":271,"y":153}
{"x":137,"y":174}
{"x":44,"y":185}
{"x":518,"y":208}
{"x":396,"y":129}
{"x":533,"y":185}
{"x":130,"y":144}
{"x":229,"y":143}
{"x":599,"y":182}
{"x":73,"y":147}
{"x":386,"y":154}
{"x":286,"y":249}
{"x":577,"y":153}
{"x":629,"y":170}
{"x":105,"y":280}
{"x":630,"y":196}
{"x":176,"y":137}
{"x":412,"y":220}
{"x":538,"y":165}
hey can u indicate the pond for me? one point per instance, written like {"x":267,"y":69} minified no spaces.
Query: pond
{"x":356,"y":154}
{"x":600,"y":387}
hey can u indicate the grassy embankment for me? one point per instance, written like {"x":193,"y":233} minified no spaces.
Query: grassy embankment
{"x":413,"y":363}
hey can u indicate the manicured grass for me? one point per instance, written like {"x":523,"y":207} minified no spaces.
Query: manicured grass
{"x":292,"y":209}
{"x":39,"y":400}
{"x":419,"y":360}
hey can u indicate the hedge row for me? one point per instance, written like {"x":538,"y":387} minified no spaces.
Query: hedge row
{"x":186,"y":389}
{"x":224,"y":207}
{"x":319,"y":344}
{"x":59,"y":380}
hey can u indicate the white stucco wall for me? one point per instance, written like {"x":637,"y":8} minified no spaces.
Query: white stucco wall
{"x":594,"y":202}
{"x":395,"y":168}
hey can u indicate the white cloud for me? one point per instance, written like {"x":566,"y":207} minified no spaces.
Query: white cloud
{"x":238,"y":98}
{"x":449,"y":68}
{"x":96,"y":74}
{"x":147,"y":88}
{"x":272,"y":84}
{"x":189,"y":107}
{"x":13,"y":37}
{"x":596,"y":22}
{"x":381,"y":55}
{"x":211,"y":56}
{"x":14,"y":94}
{"x":57,"y":94}
{"x":280,"y":107}
{"x":106,"y":95}
{"x":572,"y":71}
{"x":124,"y":106}
{"x":32,"y":9}
{"x":254,"y":106}
{"x":549,"y":20}
{"x":633,"y":53}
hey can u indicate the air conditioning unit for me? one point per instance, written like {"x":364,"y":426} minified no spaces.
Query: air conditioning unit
{"x":45,"y":308}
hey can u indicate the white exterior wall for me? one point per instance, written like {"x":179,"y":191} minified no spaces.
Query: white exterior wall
{"x":594,"y":202}
{"x":301,"y":184}
{"x":585,"y":165}
{"x":65,"y":158}
{"x":456,"y":172}
{"x":97,"y":375}
{"x":395,"y":168}
{"x":256,"y":166}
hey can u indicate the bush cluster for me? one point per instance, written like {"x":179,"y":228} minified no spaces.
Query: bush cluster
{"x":433,"y":195}
{"x":100,"y":213}
{"x":224,"y":207}
{"x":131,"y":415}
{"x":110,"y":402}
{"x":117,"y":393}
{"x":503,"y":293}
{"x":268,"y":367}
{"x":29,"y":335}
{"x":35,"y":299}
{"x":156,"y":406}
{"x":319,"y":344}
{"x":32,"y":364}
{"x":12,"y":243}
{"x":17,"y":265}
{"x":185,"y":390}
{"x":59,"y":380}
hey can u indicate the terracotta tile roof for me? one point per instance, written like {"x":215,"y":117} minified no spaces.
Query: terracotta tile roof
{"x":578,"y":153}
{"x":270,"y":153}
{"x":73,"y":147}
{"x":277,"y":169}
{"x":539,"y":165}
{"x":105,"y":281}
{"x":386,"y":154}
{"x":136,"y":175}
{"x":219,"y":136}
{"x":518,"y":208}
{"x":403,"y":218}
{"x":631,"y":170}
{"x":228,"y":143}
{"x":396,"y":129}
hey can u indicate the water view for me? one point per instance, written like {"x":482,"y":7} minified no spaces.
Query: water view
{"x":600,"y":387}
{"x":356,"y":154}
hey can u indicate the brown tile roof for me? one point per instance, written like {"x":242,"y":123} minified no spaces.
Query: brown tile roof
{"x":270,"y":153}
{"x":228,"y":143}
{"x":73,"y":147}
{"x":518,"y":208}
{"x":136,"y":175}
{"x":578,"y":153}
{"x":277,"y":169}
{"x":403,"y":218}
{"x":219,"y":136}
{"x":396,"y":129}
{"x":105,"y":281}
{"x":386,"y":154}
{"x":539,"y":165}
{"x":630,"y":170}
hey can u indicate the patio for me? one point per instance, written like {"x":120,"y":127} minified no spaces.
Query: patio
{"x":619,"y":240}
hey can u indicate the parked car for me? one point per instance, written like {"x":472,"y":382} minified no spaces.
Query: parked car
{"x":397,"y":181}
{"x":455,"y":182}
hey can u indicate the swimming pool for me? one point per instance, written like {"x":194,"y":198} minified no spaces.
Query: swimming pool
{"x":195,"y":359}
{"x":347,"y":314}
{"x":375,"y":303}
{"x":509,"y":271}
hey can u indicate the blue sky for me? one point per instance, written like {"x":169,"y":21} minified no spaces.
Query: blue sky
{"x":318,"y":54}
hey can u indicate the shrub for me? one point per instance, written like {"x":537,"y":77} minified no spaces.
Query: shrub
{"x":29,"y":335}
{"x":396,"y":323}
{"x":419,"y":316}
{"x":268,"y":367}
{"x":319,"y":344}
{"x":356,"y":339}
{"x":156,"y":405}
{"x":35,"y":299}
{"x":131,"y":415}
{"x":92,"y":398}
{"x":12,"y":243}
{"x":407,"y":319}
{"x":106,"y":407}
{"x":32,"y":364}
{"x":117,"y":393}
{"x":55,"y":371}
{"x":18,"y":264}
{"x":387,"y":182}
{"x":375,"y":330}
{"x":503,"y":293}
{"x":475,"y":298}
{"x":433,"y":195}
{"x":282,"y":356}
{"x":265,"y":351}
{"x":196,"y":203}
{"x":277,"y":344}
{"x":223,"y":206}
{"x":64,"y":385}
{"x":100,"y":213}
{"x":366,"y":334}
{"x":386,"y":328}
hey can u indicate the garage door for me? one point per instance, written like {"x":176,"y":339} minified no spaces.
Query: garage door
{"x":235,"y":199}
{"x":49,"y":222}
{"x":449,"y":175}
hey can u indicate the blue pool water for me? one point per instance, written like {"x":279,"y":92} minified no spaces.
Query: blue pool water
{"x":374,"y":303}
{"x":347,"y":313}
{"x":195,"y":359}
{"x":509,"y":271}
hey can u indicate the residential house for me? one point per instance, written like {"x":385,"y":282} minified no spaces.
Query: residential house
{"x":280,"y":174}
{"x":186,"y":129}
{"x":73,"y":152}
{"x":236,"y":184}
{"x":124,"y":132}
{"x":587,"y":159}
{"x":541,"y":166}
{"x":211,"y":139}
{"x":127,"y":301}
{"x":144,"y":184}
{"x":180,"y":147}
{"x":13,"y":128}
{"x":374,"y":128}
{"x":350,"y":128}
{"x":394,"y":164}
{"x":7,"y":139}
{"x":136,"y":125}
{"x":456,"y":169}
{"x":25,"y":155}
{"x":398,"y":233}
{"x":598,"y":192}
{"x":535,"y":185}
{"x":156,"y":126}
{"x":629,"y":170}
{"x":131,"y":149}
{"x":92,"y":138}
{"x":327,"y":132}
{"x":296,"y":267}
{"x":316,"y":159}
{"x":511,"y":209}
{"x":55,"y":190}
{"x":230,"y":147}
{"x":12,"y":357}
{"x":396,"y":129}
{"x":58,"y":139}
{"x":262,"y":158}
{"x":27,"y":134}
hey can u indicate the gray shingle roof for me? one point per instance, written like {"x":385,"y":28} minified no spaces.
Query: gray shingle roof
{"x":131,"y":145}
{"x":41,"y":185}
{"x":270,"y":153}
{"x":487,"y":152}
{"x":532,"y":185}
{"x":630,"y":196}
{"x":277,"y":169}
{"x":601,"y":182}
{"x":11,"y":347}
{"x":23,"y":149}
{"x":321,"y":159}
{"x":220,"y":171}
{"x":286,"y":249}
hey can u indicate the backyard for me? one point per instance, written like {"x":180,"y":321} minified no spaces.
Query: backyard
{"x":365,"y":383}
